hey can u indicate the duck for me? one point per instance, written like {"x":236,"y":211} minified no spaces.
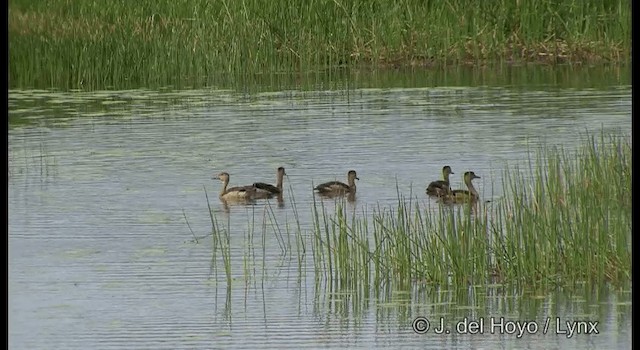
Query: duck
{"x":271,"y":189}
{"x":234,"y":193}
{"x":464,"y":196}
{"x":440,"y":188}
{"x":334,"y":188}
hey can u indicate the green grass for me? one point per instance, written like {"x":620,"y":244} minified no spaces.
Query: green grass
{"x":69,"y":44}
{"x":568,"y":222}
{"x":565,"y":221}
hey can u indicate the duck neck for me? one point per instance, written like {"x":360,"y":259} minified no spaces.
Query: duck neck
{"x":224,"y":187}
{"x":352,"y":184}
{"x":279,"y":181}
{"x":445,"y":176}
{"x":472,"y":189}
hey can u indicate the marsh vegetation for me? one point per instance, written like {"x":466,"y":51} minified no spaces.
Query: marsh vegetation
{"x":565,"y":219}
{"x":115,"y":44}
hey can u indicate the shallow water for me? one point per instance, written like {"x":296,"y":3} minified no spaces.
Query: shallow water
{"x":100,"y":184}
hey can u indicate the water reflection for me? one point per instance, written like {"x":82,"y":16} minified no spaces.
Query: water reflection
{"x":387,"y":313}
{"x":99,"y":194}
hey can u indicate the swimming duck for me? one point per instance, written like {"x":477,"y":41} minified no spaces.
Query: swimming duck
{"x":234,"y":193}
{"x":333,"y":188}
{"x":440,"y":188}
{"x":464,"y":196}
{"x":271,"y":189}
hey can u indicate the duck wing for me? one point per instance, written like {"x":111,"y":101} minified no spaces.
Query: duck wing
{"x":438,"y":188}
{"x":266,"y":187}
{"x":332,"y":186}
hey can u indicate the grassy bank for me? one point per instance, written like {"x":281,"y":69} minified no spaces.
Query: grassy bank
{"x":565,"y":221}
{"x":95,"y":45}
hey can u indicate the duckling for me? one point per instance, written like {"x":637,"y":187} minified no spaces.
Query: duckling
{"x":440,"y":188}
{"x":234,"y":193}
{"x":335,"y":188}
{"x":271,"y":189}
{"x":464,"y":196}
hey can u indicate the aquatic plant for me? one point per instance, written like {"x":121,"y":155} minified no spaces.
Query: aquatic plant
{"x":116,"y":44}
{"x":566,"y":221}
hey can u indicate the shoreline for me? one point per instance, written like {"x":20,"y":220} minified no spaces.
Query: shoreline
{"x":66,"y":44}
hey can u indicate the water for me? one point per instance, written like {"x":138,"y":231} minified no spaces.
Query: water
{"x":100,"y":184}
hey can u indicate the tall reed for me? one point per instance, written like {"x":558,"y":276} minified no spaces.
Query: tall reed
{"x":70,"y":44}
{"x":566,"y":220}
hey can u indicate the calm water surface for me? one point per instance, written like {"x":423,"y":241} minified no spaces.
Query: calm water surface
{"x":100,"y":184}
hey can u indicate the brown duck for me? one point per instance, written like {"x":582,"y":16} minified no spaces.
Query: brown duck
{"x":441,"y":188}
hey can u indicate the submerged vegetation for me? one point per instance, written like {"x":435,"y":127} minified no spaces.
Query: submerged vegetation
{"x":564,"y":221}
{"x":72,"y":44}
